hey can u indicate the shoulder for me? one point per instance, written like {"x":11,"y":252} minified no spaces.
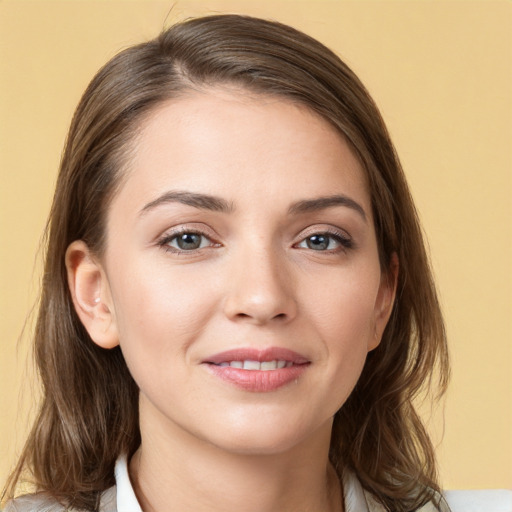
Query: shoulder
{"x":375,"y":506}
{"x":42,"y":502}
{"x":39,"y":502}
{"x":358,"y":499}
{"x":108,"y":501}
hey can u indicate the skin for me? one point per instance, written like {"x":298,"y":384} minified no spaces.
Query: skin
{"x":258,"y":278}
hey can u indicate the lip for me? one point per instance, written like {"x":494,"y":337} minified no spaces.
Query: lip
{"x":268,"y":354}
{"x":259,"y":381}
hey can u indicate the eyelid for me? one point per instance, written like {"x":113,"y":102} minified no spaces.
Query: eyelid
{"x":325,"y":229}
{"x":189,"y":227}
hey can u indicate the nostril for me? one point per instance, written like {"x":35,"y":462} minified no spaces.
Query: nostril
{"x":249,"y":303}
{"x":278,"y":317}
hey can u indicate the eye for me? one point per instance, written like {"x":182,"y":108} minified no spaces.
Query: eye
{"x":325,"y":242}
{"x":185,"y":241}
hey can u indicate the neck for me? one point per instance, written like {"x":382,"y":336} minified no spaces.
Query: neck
{"x":172,"y":467}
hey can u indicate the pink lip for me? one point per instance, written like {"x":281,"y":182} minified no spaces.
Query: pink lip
{"x":268,"y":354}
{"x":257,"y":380}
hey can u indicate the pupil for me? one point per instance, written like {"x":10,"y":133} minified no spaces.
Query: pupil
{"x":318,"y":242}
{"x":189,"y":241}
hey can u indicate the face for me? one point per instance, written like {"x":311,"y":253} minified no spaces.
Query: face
{"x":241,"y":275}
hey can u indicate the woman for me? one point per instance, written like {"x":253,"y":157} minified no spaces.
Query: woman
{"x":237,"y":305}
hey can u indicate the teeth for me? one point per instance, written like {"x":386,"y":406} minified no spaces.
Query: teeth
{"x":268,"y":365}
{"x":251,"y":365}
{"x":256,"y":365}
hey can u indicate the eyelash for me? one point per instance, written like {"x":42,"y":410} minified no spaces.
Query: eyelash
{"x":166,"y":240}
{"x":344,"y":241}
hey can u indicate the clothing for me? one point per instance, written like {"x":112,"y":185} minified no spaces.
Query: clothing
{"x":121,"y":497}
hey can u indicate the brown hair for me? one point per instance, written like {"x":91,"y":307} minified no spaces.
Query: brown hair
{"x":89,"y":411}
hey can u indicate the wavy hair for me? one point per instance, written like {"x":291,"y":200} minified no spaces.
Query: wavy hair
{"x":89,"y":410}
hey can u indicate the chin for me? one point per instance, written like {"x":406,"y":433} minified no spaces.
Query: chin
{"x":269,"y":438}
{"x":254,"y":444}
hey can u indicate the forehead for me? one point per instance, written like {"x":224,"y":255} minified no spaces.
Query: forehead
{"x":240,"y":146}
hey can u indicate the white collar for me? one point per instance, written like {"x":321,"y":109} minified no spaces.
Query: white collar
{"x":355,"y":500}
{"x":126,"y":499}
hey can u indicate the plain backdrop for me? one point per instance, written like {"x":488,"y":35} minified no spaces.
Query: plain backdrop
{"x":441,"y":72}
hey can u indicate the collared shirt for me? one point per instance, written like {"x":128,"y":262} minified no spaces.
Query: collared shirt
{"x":356,"y":498}
{"x":121,"y":497}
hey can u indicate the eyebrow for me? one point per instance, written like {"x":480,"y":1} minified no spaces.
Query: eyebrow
{"x":202,"y":201}
{"x":322,"y":203}
{"x":217,"y":204}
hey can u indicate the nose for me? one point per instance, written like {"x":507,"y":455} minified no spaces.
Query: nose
{"x":260,"y":290}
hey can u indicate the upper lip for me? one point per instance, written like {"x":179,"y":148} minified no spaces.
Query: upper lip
{"x":253,"y":354}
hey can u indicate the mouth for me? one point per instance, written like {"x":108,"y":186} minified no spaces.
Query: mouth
{"x":273,"y":358}
{"x":263,"y":366}
{"x":258,"y":370}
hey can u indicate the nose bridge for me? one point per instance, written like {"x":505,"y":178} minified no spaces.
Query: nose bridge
{"x":260,"y":287}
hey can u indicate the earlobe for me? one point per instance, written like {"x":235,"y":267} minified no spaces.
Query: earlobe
{"x":385,"y":301}
{"x":91,"y":296}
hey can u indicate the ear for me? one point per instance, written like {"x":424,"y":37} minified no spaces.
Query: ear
{"x":385,"y":301}
{"x":91,"y":296}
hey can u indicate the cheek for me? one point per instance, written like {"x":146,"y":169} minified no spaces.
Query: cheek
{"x":343,"y":310}
{"x":344,"y":306}
{"x":160,"y":311}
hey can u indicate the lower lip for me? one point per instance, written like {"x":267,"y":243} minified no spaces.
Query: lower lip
{"x":258,"y":381}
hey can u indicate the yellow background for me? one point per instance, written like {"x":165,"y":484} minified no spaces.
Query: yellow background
{"x":442,"y":75}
